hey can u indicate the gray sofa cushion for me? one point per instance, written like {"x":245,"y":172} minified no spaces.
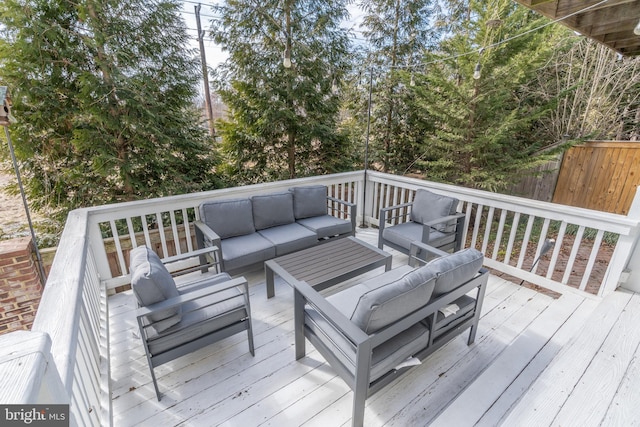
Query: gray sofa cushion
{"x":309,"y":201}
{"x":241,"y":251}
{"x":428,"y":206}
{"x":326,"y":225}
{"x":452,"y":270}
{"x":407,"y":232}
{"x":202,"y":316}
{"x":229,"y":217}
{"x":152,"y":283}
{"x":289,"y":238}
{"x":271,"y":210}
{"x":381,"y":306}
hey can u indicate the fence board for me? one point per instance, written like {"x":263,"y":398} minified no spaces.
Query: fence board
{"x":599,"y":175}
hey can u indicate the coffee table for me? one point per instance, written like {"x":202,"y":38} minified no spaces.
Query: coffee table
{"x":327,"y":264}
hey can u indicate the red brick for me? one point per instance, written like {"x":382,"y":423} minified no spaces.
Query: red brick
{"x":18,"y":311}
{"x":6,"y":261}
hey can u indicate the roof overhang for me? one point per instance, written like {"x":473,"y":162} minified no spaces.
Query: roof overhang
{"x":610,"y":22}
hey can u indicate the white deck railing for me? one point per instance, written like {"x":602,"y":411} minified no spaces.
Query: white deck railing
{"x":73,"y":309}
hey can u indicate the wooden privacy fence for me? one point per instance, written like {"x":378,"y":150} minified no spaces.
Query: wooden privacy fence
{"x":600,"y":175}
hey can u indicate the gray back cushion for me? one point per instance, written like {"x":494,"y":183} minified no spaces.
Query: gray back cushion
{"x":386,"y":304}
{"x":428,"y":206}
{"x":309,"y":201}
{"x":454,"y":269}
{"x":152,"y":283}
{"x":270,"y":210}
{"x":228,"y":218}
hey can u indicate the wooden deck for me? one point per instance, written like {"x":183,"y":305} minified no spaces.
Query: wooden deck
{"x":536,"y":361}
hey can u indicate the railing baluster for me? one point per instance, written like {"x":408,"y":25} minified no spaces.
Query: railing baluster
{"x":574,"y":253}
{"x":496,"y":246}
{"x":174,"y":230}
{"x":476,"y":225}
{"x":512,"y":237}
{"x":487,"y":230}
{"x":116,"y":241}
{"x":541,"y":240}
{"x":187,"y":229}
{"x":556,"y":249}
{"x":592,"y":260}
{"x":132,"y":233}
{"x":163,"y":238}
{"x":525,"y":241}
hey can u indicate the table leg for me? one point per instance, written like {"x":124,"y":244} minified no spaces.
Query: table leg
{"x":387,"y":264}
{"x":268,"y":274}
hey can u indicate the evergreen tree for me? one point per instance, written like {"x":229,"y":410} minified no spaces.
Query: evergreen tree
{"x":282,"y":121}
{"x":103,"y":94}
{"x":397,"y":32}
{"x":485,"y":127}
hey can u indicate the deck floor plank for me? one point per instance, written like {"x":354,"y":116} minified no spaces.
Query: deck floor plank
{"x":471,"y":405}
{"x":545,"y":398}
{"x":605,"y":372}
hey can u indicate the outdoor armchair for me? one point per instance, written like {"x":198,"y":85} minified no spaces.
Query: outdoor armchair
{"x":431,"y":219}
{"x":176,"y":319}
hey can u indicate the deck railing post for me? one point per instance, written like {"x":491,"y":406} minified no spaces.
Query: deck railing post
{"x":632,"y":283}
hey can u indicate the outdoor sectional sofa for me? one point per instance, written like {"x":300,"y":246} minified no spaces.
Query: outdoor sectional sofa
{"x":252,"y":230}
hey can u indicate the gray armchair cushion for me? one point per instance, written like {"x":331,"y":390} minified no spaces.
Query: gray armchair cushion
{"x":428,"y":206}
{"x":201,"y":316}
{"x":228,"y":218}
{"x":454,"y":269}
{"x":381,"y":306}
{"x":407,"y":232}
{"x":152,"y":283}
{"x":271,"y":210}
{"x":309,"y":201}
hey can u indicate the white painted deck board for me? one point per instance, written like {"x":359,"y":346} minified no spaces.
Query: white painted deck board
{"x":522,"y":348}
{"x":546,"y":397}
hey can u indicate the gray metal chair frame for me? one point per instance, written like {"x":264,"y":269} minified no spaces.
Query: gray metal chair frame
{"x":142,"y":313}
{"x":400,"y":214}
{"x":364,"y":343}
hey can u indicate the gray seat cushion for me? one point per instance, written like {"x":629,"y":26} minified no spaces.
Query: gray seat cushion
{"x":385,"y":304}
{"x":271,"y":210}
{"x":152,"y":283}
{"x":407,"y":232}
{"x":289,"y":238}
{"x":202,"y":316}
{"x":309,"y":201}
{"x":229,"y":217}
{"x":428,"y":206}
{"x":326,"y":225}
{"x":241,"y":251}
{"x":385,"y":357}
{"x":452,"y":270}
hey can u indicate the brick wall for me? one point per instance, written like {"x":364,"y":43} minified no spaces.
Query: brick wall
{"x":20,"y":286}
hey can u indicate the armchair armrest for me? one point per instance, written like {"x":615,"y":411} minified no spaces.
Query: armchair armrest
{"x":204,"y":264}
{"x":443,"y":219}
{"x":384,"y":211}
{"x":352,"y":210}
{"x":418,"y":246}
{"x":191,"y":296}
{"x":208,"y":234}
{"x":304,"y":293}
{"x":205,"y":237}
